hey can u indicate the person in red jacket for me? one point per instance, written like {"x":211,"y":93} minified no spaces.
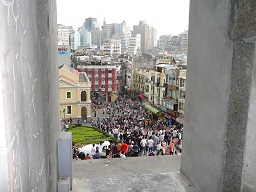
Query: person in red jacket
{"x":124,"y":148}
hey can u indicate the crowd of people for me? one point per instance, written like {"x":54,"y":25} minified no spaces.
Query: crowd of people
{"x":125,"y":121}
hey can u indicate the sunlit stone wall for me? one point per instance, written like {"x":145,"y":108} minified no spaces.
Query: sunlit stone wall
{"x":29,"y":100}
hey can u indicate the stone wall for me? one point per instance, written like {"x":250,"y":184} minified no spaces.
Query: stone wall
{"x":220,"y":100}
{"x":29,"y":99}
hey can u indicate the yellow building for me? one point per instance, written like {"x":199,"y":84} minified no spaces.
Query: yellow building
{"x":75,"y":99}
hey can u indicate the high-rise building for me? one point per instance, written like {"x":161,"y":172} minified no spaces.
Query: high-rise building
{"x":163,"y":41}
{"x":112,"y":47}
{"x":134,"y":45}
{"x":96,"y":37}
{"x":87,"y":36}
{"x":91,"y":32}
{"x":72,"y":40}
{"x":152,"y":37}
{"x":147,"y":33}
{"x":173,"y":43}
{"x":77,"y":39}
{"x":108,"y":30}
{"x":123,"y":32}
{"x":66,"y":35}
{"x":184,"y":41}
{"x":91,"y":23}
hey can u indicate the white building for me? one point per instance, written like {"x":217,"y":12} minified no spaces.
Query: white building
{"x":123,"y":32}
{"x":148,"y":38}
{"x":184,"y":41}
{"x":63,"y":35}
{"x":134,"y":45}
{"x":112,"y":47}
{"x":152,"y":37}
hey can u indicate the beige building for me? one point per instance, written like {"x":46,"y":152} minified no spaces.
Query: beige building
{"x":150,"y":84}
{"x":163,"y":59}
{"x":75,"y":99}
{"x":182,"y":94}
{"x":164,"y":88}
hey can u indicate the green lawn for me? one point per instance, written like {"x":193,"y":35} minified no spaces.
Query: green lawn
{"x":87,"y":135}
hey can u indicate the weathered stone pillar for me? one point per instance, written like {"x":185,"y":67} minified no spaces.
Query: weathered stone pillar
{"x":219,"y":130}
{"x":29,"y":99}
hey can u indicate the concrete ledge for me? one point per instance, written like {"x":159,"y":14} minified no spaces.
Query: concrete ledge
{"x":158,"y":173}
{"x":64,"y":184}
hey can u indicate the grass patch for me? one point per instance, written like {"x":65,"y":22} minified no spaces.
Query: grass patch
{"x":87,"y":135}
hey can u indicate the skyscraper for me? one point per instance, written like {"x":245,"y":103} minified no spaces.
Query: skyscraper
{"x":96,"y":37}
{"x":184,"y":41}
{"x":87,"y":36}
{"x":108,"y":30}
{"x":123,"y":32}
{"x":91,"y":32}
{"x":77,"y":39}
{"x":134,"y":45}
{"x":148,"y":39}
{"x":91,"y":23}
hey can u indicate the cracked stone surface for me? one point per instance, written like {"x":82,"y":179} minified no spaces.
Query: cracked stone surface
{"x":29,"y":101}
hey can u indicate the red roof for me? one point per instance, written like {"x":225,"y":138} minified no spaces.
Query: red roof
{"x":67,"y":78}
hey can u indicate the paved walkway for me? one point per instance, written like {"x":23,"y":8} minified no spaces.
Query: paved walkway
{"x":136,"y":174}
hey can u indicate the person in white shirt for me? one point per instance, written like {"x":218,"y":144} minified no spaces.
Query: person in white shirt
{"x":143,"y":144}
{"x":158,"y":147}
{"x":115,"y":132}
{"x":93,"y":150}
{"x":161,"y":137}
{"x":150,"y":133}
{"x":174,"y":133}
{"x":150,"y":144}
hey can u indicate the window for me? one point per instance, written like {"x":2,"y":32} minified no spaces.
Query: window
{"x":181,"y":106}
{"x":69,"y":110}
{"x":182,"y":82}
{"x":68,"y":95}
{"x":182,"y":94}
{"x":83,"y":96}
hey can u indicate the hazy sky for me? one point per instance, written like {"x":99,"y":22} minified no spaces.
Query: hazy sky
{"x":167,"y":16}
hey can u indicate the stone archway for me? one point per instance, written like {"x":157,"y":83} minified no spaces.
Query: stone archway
{"x":83,"y":114}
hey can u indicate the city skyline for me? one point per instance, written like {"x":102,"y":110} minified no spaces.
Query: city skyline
{"x":170,"y":17}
